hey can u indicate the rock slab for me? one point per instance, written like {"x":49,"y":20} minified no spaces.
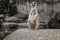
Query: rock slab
{"x":42,"y":34}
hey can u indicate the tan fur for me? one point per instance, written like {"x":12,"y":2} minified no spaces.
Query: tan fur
{"x":33,"y":17}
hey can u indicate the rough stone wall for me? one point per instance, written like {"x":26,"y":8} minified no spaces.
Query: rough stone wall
{"x":45,"y":10}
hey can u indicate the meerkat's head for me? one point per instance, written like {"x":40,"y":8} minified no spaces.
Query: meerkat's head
{"x":33,"y":4}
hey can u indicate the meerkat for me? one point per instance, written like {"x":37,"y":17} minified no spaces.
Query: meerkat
{"x":34,"y":18}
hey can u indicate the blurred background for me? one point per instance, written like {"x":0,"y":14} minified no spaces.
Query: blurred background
{"x":14,"y":15}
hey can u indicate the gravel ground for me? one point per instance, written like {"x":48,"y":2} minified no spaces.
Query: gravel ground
{"x":42,"y":34}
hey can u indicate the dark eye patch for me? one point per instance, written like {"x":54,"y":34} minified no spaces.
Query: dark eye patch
{"x":34,"y":3}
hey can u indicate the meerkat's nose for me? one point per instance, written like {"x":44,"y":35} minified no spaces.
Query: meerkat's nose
{"x":33,"y":5}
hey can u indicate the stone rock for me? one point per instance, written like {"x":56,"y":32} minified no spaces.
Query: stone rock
{"x":2,"y":35}
{"x":22,"y":15}
{"x":12,"y":26}
{"x":12,"y":19}
{"x":42,"y":34}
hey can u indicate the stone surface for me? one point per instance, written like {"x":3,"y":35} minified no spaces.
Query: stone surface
{"x":12,"y":19}
{"x":42,"y":34}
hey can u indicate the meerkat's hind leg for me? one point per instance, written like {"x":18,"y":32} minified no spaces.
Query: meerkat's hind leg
{"x":37,"y":26}
{"x":37,"y":23}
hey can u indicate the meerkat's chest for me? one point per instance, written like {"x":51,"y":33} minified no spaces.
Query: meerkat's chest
{"x":32,"y":21}
{"x":32,"y":18}
{"x":32,"y":15}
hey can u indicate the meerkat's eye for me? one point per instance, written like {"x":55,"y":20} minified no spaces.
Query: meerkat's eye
{"x":34,"y":3}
